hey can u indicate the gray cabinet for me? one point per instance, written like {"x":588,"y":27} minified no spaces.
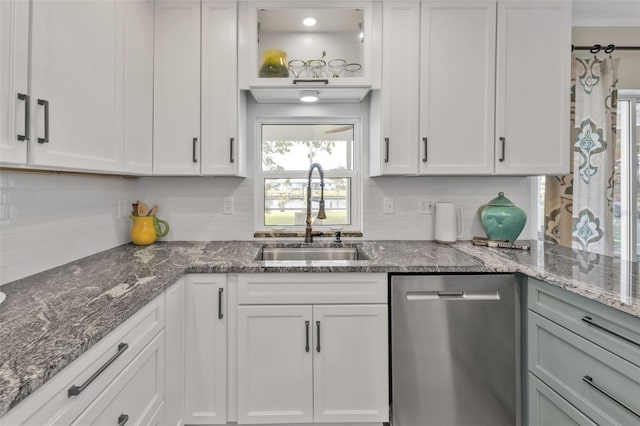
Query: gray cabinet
{"x":583,"y":360}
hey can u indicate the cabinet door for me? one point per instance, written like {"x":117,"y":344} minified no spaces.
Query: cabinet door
{"x":174,"y":331}
{"x":205,"y":376}
{"x":548,"y":408}
{"x":75,"y":63}
{"x":14,"y":53}
{"x":176,"y":106}
{"x":398,"y":152}
{"x":457,"y":87}
{"x":221,"y":152}
{"x":351,"y":368}
{"x":533,"y":78}
{"x":275,"y":364}
{"x":137,"y":96}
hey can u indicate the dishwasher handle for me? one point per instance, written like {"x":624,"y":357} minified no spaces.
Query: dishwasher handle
{"x":452,"y":295}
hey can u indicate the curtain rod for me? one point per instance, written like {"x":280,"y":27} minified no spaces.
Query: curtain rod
{"x":607,"y":48}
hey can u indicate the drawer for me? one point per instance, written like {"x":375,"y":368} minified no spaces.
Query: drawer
{"x":616,"y":331}
{"x":605,"y":387}
{"x":317,"y":288}
{"x":52,"y":404}
{"x":135,"y":396}
{"x":547,"y":408}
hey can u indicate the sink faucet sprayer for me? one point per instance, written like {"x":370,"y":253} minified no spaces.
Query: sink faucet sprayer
{"x":308,"y":238}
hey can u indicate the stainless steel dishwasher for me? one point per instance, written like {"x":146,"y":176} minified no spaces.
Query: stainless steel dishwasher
{"x":455,"y":350}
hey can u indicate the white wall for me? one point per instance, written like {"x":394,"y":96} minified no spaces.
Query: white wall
{"x":48,"y":219}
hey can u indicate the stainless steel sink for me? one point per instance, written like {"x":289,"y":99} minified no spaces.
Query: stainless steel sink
{"x":311,"y":253}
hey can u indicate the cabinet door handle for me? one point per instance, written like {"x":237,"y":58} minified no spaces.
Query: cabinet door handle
{"x":426,"y":144}
{"x":231,"y":140}
{"x":220,"y":314}
{"x":306,"y":326}
{"x":503,"y":143}
{"x":386,"y":150}
{"x":123,"y":419}
{"x":76,"y":390}
{"x":46,"y":121}
{"x":589,"y":380}
{"x":591,"y":322}
{"x":318,"y":333}
{"x":195,"y":142}
{"x":25,"y":98}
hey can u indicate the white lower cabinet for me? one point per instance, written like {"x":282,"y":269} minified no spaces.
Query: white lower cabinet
{"x":205,"y":334}
{"x":135,"y":395}
{"x":312,"y":363}
{"x":275,"y":364}
{"x":350,"y":364}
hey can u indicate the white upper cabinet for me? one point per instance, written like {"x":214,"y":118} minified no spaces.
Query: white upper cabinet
{"x":463,"y":79}
{"x":223,"y":146}
{"x":137,"y":98}
{"x":533,"y":83}
{"x":74,"y":84}
{"x":319,"y":45}
{"x":457,"y":87}
{"x":399,"y":97}
{"x":199,"y":125}
{"x":176,"y":121}
{"x":89,"y":105}
{"x":14,"y":95}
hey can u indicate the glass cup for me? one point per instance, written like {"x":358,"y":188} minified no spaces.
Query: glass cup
{"x":317,"y":68}
{"x":296,"y":66}
{"x":336,"y":66}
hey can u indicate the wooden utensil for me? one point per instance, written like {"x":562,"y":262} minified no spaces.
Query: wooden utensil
{"x":153,"y":210}
{"x":143,"y":209}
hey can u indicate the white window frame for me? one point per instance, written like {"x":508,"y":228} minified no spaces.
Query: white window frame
{"x":355,"y":175}
{"x":629,"y":215}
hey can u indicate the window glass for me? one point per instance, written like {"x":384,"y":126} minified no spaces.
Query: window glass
{"x":286,"y":154}
{"x":295,"y":147}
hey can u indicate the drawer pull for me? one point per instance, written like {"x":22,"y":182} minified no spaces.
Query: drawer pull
{"x":76,"y":390}
{"x":590,"y":321}
{"x":306,"y":326}
{"x":123,"y":419}
{"x":589,"y":380}
{"x":220,"y":314}
{"x":318,"y":337}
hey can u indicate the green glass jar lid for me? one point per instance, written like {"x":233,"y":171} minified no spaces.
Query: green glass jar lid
{"x":501,"y":201}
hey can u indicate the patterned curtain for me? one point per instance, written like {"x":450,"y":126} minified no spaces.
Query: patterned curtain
{"x":578,"y":207}
{"x":594,"y":154}
{"x":558,"y":194}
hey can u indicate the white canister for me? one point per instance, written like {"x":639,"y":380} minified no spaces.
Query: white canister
{"x":448,"y":223}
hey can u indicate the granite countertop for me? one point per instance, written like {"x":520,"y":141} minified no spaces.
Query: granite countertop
{"x":51,"y":318}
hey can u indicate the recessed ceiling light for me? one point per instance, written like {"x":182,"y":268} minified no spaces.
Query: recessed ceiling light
{"x":309,"y":21}
{"x":309,"y":95}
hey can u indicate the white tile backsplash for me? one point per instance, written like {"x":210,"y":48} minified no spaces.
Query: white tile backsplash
{"x":59,"y":218}
{"x":56,"y":218}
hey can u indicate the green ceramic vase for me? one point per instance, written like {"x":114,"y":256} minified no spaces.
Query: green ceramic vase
{"x":501,"y":219}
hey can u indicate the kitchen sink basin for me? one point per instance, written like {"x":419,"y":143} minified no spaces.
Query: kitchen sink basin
{"x":311,"y":253}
